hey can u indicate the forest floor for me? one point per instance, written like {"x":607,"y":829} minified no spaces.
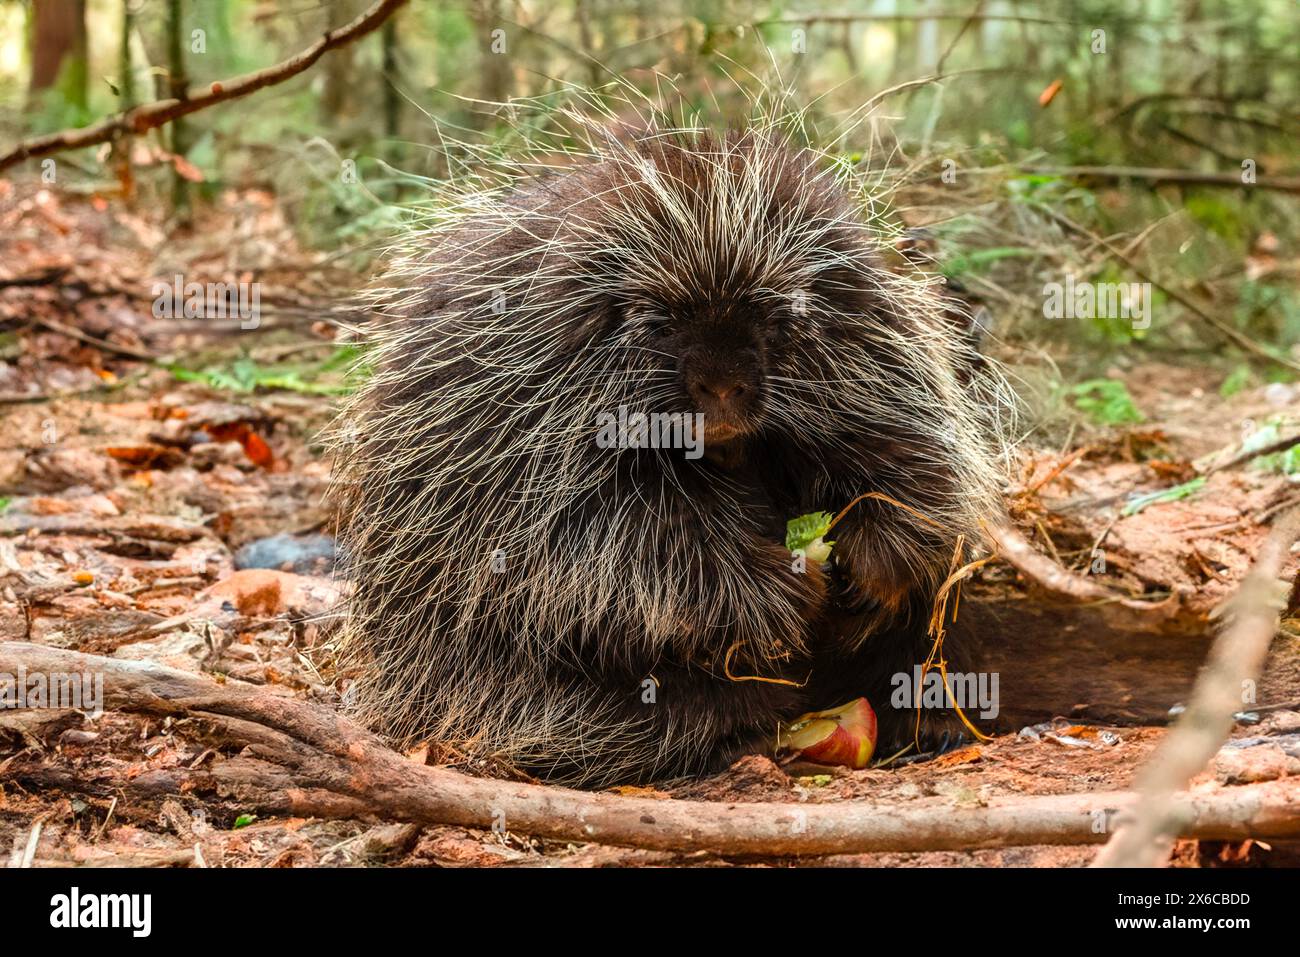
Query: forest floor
{"x":147,"y":466}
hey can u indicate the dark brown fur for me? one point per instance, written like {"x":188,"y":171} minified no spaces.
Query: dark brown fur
{"x":803,"y":412}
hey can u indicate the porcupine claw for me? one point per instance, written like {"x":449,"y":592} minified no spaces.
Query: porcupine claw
{"x":948,"y":742}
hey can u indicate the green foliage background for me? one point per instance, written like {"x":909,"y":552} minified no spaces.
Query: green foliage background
{"x":1195,"y":86}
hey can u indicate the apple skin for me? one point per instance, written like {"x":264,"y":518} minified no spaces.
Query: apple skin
{"x":843,"y":736}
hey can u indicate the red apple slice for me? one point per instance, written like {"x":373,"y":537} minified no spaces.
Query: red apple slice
{"x":843,"y":736}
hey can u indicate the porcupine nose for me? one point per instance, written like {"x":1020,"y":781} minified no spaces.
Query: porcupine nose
{"x":724,"y":394}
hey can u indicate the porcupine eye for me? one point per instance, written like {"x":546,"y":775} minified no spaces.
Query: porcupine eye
{"x":653,"y":323}
{"x":782,"y":323}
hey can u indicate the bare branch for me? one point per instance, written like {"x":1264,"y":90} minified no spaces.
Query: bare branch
{"x":1059,"y":583}
{"x":1182,"y":299}
{"x":151,"y":115}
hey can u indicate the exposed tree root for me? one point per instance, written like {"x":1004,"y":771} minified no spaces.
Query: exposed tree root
{"x":304,"y":759}
{"x":1058,"y":582}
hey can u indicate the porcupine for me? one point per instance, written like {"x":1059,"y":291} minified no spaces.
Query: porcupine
{"x":585,"y":612}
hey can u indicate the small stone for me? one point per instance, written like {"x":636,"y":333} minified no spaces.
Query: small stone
{"x":1279,"y":393}
{"x":294,"y":553}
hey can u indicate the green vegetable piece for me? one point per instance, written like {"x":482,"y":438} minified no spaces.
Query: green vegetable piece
{"x":804,"y":535}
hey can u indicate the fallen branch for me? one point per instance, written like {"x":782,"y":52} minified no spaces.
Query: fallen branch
{"x":152,"y":115}
{"x":304,"y":759}
{"x":73,"y":333}
{"x":1241,"y":458}
{"x":1286,"y":184}
{"x":1236,"y":658}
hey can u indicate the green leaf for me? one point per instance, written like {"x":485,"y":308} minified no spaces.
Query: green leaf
{"x":244,"y":375}
{"x":1239,"y":379}
{"x":1137,"y":504}
{"x":979,"y":260}
{"x":1105,"y":401}
{"x":1262,"y":437}
{"x":1289,"y":461}
{"x":244,"y":820}
{"x":804,"y":534}
{"x":1285,"y":462}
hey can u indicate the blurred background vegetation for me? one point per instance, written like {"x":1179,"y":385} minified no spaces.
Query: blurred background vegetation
{"x":1029,"y":91}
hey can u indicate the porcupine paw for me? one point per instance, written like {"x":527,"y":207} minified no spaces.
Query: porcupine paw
{"x":939,"y":733}
{"x":869,"y":589}
{"x":806,"y":584}
{"x":814,"y":591}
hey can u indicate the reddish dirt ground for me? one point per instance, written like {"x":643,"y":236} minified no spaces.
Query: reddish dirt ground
{"x":131,"y":493}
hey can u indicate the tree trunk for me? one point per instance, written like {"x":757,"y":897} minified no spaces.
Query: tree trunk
{"x":495,"y":66}
{"x":59,"y":48}
{"x":121,"y":156}
{"x":392,"y":77}
{"x":177,"y":84}
{"x":338,"y":70}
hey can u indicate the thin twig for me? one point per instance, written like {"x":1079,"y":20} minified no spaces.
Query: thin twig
{"x":33,"y":839}
{"x":1241,"y":458}
{"x":73,"y":333}
{"x":1234,"y":334}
